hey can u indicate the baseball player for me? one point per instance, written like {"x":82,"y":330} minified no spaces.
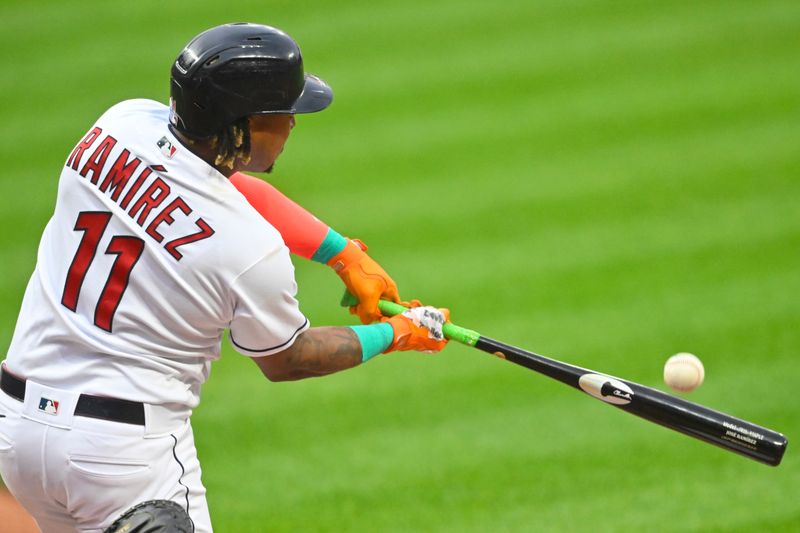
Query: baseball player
{"x":158,"y":244}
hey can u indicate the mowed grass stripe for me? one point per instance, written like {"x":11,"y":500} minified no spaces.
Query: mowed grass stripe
{"x":571,"y":234}
{"x":602,"y":114}
{"x":454,"y":34}
{"x":475,"y":505}
{"x":682,"y":191}
{"x":679,"y":298}
{"x":566,"y":237}
{"x":680,"y":134}
{"x":513,"y":64}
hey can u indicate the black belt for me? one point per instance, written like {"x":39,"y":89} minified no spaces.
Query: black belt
{"x":112,"y":409}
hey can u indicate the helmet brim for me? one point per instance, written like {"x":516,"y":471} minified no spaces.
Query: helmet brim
{"x":316,"y":96}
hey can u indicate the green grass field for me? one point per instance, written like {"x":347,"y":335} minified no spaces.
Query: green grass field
{"x":607,"y":183}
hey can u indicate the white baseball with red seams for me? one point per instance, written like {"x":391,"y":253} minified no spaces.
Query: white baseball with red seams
{"x":684,"y":372}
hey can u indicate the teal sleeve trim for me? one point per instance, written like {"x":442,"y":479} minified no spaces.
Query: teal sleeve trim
{"x":332,"y":244}
{"x":374,"y":339}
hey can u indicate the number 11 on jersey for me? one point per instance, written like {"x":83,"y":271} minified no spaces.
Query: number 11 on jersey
{"x":128,"y":249}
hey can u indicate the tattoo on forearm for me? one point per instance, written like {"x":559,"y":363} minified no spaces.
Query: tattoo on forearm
{"x":321,"y":351}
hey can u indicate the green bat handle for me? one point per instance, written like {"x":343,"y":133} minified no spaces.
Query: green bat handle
{"x":450,"y":330}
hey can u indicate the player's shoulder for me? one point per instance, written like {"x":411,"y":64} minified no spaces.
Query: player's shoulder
{"x":251,"y":227}
{"x":243,"y":233}
{"x":243,"y":242}
{"x":138,"y":107}
{"x":135,"y":115}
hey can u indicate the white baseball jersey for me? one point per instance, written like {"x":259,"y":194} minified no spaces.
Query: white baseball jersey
{"x":150,"y":255}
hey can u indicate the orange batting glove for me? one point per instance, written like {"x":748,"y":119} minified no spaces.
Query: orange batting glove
{"x":365,"y":279}
{"x":420,"y":329}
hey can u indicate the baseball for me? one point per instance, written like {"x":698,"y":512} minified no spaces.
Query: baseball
{"x":683,"y":372}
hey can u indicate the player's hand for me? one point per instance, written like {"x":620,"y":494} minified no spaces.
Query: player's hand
{"x":419,"y":328}
{"x":365,"y":279}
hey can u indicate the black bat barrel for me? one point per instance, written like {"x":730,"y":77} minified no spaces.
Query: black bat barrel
{"x":695,"y":420}
{"x":706,"y":424}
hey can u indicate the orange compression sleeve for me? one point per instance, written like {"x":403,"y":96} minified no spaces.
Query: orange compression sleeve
{"x":302,"y":232}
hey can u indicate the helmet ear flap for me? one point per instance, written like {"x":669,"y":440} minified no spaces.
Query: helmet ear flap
{"x":237,"y":70}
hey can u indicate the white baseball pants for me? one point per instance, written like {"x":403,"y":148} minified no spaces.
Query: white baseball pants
{"x":74,"y":473}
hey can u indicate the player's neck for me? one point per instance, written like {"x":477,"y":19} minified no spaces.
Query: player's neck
{"x":204,"y":150}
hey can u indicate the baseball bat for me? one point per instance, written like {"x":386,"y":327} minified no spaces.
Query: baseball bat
{"x":723,"y":430}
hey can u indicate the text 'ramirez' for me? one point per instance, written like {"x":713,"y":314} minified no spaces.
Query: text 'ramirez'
{"x":146,"y":193}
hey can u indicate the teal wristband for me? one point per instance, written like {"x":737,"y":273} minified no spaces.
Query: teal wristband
{"x":332,"y":244}
{"x":374,"y":339}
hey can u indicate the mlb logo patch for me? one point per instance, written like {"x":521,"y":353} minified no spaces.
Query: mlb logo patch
{"x":46,"y":405}
{"x":166,"y":147}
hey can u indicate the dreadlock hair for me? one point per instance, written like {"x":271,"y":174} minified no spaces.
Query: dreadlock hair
{"x":231,"y":142}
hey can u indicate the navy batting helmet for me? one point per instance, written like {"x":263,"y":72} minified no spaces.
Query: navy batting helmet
{"x":236,"y":70}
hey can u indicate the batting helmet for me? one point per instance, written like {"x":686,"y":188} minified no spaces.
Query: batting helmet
{"x":236,"y":70}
